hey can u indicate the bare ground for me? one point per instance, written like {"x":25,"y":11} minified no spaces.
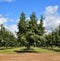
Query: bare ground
{"x":30,"y":57}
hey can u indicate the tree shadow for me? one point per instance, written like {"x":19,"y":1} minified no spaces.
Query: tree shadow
{"x":25,"y":50}
{"x":57,"y":50}
{"x":52,"y":49}
{"x":2,"y":48}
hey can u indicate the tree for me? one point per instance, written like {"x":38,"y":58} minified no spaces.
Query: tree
{"x":41,"y":27}
{"x":29,"y":31}
{"x":32,"y":30}
{"x":57,"y":36}
{"x":7,"y":38}
{"x":21,"y":29}
{"x":53,"y":38}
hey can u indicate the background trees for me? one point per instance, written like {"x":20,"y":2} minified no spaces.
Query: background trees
{"x":30,"y":33}
{"x":53,"y":38}
{"x":7,"y":38}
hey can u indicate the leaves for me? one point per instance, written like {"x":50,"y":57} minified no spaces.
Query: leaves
{"x":29,"y":29}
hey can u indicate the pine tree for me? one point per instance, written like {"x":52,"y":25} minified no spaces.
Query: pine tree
{"x":41,"y":27}
{"x":22,"y":29}
{"x":28,"y":31}
{"x":32,"y":30}
{"x":22,"y":24}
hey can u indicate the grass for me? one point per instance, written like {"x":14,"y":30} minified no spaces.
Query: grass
{"x":45,"y":50}
{"x":9,"y":50}
{"x":32,"y":50}
{"x":41,"y":50}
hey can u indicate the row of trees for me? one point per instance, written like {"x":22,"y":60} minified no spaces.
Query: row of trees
{"x":33,"y":34}
{"x":53,"y":38}
{"x":7,"y":38}
{"x":30,"y":33}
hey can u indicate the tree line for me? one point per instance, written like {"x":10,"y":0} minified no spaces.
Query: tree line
{"x":30,"y":33}
{"x":7,"y":38}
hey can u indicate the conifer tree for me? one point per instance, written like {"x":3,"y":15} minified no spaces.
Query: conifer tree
{"x":41,"y":27}
{"x":22,"y":29}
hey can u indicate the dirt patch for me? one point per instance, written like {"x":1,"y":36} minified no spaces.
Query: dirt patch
{"x":30,"y":57}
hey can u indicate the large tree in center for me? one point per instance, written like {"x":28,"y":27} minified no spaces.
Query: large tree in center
{"x":29,"y":31}
{"x":32,"y":29}
{"x":22,"y":30}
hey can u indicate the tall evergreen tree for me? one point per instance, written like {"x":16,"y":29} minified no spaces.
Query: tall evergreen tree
{"x":32,"y":30}
{"x":41,"y":27}
{"x":22,"y":29}
{"x":33,"y":22}
{"x":29,"y":31}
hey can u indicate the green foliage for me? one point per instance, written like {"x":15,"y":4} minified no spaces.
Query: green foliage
{"x":53,"y":38}
{"x":7,"y":38}
{"x":41,"y":28}
{"x":29,"y":31}
{"x":22,"y":30}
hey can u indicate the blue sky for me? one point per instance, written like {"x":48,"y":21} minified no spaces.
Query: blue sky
{"x":10,"y":11}
{"x":14,"y":8}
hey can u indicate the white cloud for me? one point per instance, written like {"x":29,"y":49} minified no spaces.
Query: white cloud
{"x":12,"y":28}
{"x":52,"y":17}
{"x":7,"y":0}
{"x":3,"y":19}
{"x":51,"y":10}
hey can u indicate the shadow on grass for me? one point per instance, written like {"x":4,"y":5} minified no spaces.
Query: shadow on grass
{"x":2,"y":48}
{"x":54,"y":49}
{"x":25,"y":50}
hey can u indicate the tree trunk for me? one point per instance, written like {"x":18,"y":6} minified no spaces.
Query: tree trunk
{"x":28,"y":47}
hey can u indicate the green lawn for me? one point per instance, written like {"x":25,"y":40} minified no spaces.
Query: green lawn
{"x":9,"y":50}
{"x":33,"y":49}
{"x":45,"y":50}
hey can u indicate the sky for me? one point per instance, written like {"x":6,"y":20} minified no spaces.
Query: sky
{"x":10,"y":11}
